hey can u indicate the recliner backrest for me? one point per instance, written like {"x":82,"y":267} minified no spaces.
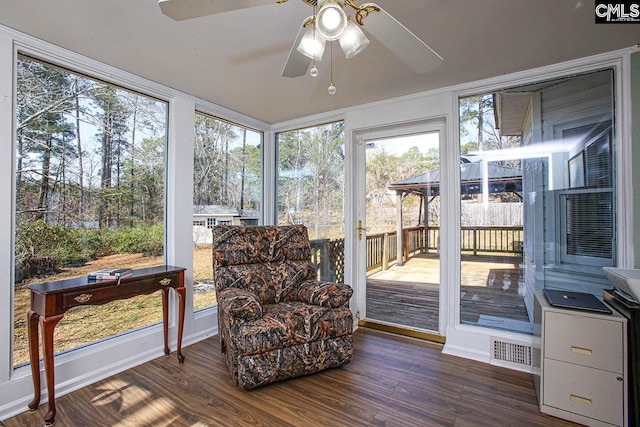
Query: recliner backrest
{"x":269,"y":261}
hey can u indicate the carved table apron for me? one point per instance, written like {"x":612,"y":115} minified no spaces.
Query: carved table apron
{"x":49,"y":302}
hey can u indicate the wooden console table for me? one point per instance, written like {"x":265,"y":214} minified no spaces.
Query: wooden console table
{"x":49,"y":302}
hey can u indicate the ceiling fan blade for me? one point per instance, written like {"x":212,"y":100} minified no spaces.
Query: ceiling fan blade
{"x":297,"y":64}
{"x":188,"y":9}
{"x":402,"y":42}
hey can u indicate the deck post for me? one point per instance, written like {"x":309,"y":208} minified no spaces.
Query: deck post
{"x":425,"y":240}
{"x":385,"y":251}
{"x":399,"y":233}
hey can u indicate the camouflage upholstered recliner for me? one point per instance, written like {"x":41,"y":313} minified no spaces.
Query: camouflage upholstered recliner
{"x":276,"y":321}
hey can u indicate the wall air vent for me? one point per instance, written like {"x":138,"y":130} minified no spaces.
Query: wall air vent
{"x":511,"y":354}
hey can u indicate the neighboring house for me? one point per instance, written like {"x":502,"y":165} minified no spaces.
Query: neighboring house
{"x":206,"y":216}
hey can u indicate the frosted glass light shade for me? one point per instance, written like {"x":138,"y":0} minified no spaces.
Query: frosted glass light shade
{"x":353,"y":41}
{"x":331,"y":20}
{"x":312,"y":45}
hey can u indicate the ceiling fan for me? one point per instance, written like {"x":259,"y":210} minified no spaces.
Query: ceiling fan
{"x":330,"y":23}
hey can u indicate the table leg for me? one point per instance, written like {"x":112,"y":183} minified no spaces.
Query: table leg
{"x":48,"y":325}
{"x":165,"y":319}
{"x":34,"y":357}
{"x":182,"y":296}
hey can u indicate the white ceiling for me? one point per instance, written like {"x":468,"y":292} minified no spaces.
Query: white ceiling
{"x":235,"y":59}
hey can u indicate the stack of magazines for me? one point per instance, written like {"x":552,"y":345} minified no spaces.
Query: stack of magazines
{"x":110,"y":274}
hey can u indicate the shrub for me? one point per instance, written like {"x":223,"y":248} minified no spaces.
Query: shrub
{"x":67,"y":246}
{"x":145,"y":239}
{"x":58,"y":246}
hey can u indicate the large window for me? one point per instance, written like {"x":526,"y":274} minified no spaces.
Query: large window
{"x":89,"y":194}
{"x":538,"y":196}
{"x":311,"y":191}
{"x":226,"y":190}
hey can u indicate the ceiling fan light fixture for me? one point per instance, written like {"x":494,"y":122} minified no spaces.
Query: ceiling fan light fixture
{"x":331,"y":20}
{"x":353,"y":41}
{"x":312,"y":45}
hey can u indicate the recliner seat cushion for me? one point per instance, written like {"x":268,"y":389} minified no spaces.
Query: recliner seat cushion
{"x":288,"y":324}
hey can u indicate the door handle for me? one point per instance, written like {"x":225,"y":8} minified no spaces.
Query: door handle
{"x":360,"y":229}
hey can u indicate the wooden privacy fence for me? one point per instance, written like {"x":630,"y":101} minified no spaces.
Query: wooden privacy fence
{"x":328,"y":255}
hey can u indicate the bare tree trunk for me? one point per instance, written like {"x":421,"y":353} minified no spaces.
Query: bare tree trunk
{"x":62,"y":209}
{"x":132,"y":171}
{"x":43,"y":201}
{"x":117,"y":183}
{"x":225,"y":182}
{"x":480,"y":124}
{"x":107,"y":162}
{"x":244,"y":159}
{"x":20,"y":147}
{"x":80,"y":164}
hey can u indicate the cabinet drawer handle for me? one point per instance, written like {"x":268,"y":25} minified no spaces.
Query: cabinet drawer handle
{"x":583,"y":400}
{"x":83,"y":298}
{"x":165,"y":282}
{"x":580,"y":350}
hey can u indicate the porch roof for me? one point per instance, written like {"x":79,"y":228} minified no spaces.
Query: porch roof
{"x":501,"y":179}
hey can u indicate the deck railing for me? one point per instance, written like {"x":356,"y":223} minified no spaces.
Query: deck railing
{"x":492,"y":239}
{"x":328,"y":255}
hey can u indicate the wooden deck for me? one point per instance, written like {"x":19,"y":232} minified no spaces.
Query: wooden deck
{"x":491,"y":294}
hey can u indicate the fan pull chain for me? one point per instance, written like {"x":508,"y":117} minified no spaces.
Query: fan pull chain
{"x":314,"y":70}
{"x":332,"y":88}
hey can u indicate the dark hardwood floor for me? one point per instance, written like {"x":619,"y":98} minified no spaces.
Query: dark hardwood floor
{"x":392,"y":381}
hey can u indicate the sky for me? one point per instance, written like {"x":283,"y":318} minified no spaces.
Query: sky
{"x":400,"y":145}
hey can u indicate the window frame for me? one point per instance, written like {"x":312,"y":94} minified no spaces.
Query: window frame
{"x":558,"y":203}
{"x":136,"y":86}
{"x":211,"y":221}
{"x":583,"y":260}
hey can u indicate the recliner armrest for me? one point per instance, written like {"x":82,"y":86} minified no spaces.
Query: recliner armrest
{"x":324,"y":294}
{"x":239,"y":304}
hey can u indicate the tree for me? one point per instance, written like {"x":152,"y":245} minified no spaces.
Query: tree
{"x":44,"y":95}
{"x":211,"y":160}
{"x":380,"y":167}
{"x":113,"y":115}
{"x":476,"y":113}
{"x":58,"y":165}
{"x":227,"y":166}
{"x":311,"y":175}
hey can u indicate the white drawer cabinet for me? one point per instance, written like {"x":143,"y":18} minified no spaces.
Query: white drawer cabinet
{"x":583,"y":365}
